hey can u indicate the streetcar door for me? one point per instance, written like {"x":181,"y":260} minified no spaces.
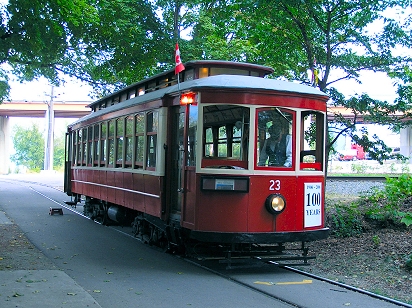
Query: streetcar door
{"x":177,"y":153}
{"x":183,"y":165}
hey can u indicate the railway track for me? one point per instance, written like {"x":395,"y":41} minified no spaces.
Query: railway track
{"x":302,"y":277}
{"x":266,"y":273}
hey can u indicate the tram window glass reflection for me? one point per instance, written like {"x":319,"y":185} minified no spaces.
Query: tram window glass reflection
{"x":89,"y":145}
{"x":139,"y":140}
{"x":312,"y":140}
{"x":191,"y":137}
{"x":84,"y":146}
{"x":274,"y":137}
{"x":96,"y":151}
{"x":225,"y":136}
{"x":79,"y":147}
{"x":151,"y":129}
{"x":119,"y":141}
{"x":129,"y":141}
{"x":111,"y":142}
{"x":103,"y":144}
{"x":222,"y":142}
{"x":75,"y":148}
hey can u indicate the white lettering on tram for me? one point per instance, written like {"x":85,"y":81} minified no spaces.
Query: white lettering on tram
{"x":274,"y":185}
{"x":313,"y":204}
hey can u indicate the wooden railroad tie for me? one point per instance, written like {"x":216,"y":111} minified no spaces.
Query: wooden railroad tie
{"x":55,"y":210}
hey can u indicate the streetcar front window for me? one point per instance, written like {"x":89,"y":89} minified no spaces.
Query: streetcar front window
{"x":275,"y":137}
{"x":312,"y":140}
{"x":225,"y":136}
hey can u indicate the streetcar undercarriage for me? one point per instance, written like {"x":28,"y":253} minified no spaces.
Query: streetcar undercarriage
{"x":244,"y":250}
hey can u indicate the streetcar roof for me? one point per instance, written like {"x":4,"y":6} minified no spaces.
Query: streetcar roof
{"x":255,"y":83}
{"x":218,"y":82}
{"x":169,"y":77}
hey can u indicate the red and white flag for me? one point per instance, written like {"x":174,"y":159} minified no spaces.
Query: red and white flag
{"x":179,"y":65}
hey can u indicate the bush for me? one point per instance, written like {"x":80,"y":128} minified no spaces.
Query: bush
{"x":392,"y":204}
{"x":346,"y":221}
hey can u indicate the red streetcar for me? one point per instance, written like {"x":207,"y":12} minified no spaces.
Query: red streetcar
{"x":218,"y":160}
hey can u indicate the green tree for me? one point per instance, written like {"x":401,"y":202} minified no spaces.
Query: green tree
{"x":41,"y":38}
{"x":58,"y":151}
{"x":29,"y":147}
{"x":318,"y":36}
{"x":105,"y":42}
{"x":113,"y":43}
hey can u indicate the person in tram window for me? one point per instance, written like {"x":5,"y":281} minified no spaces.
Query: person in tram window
{"x":277,"y":149}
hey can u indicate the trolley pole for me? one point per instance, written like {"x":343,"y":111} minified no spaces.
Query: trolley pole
{"x":48,"y":150}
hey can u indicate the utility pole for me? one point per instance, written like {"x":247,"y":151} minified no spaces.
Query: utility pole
{"x":48,"y":150}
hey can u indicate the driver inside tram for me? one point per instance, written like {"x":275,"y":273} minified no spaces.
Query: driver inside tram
{"x":277,"y":149}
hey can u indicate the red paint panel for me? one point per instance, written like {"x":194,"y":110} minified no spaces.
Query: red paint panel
{"x":119,"y":193}
{"x":128,"y":184}
{"x":190,"y":202}
{"x":260,"y":220}
{"x":110,"y":181}
{"x":138,"y":198}
{"x":152,"y":187}
{"x":73,"y":183}
{"x":294,"y":100}
{"x":78,"y":185}
{"x":81,"y":179}
{"x":95,"y":179}
{"x":86,"y":186}
{"x":103,"y":188}
{"x":222,"y":211}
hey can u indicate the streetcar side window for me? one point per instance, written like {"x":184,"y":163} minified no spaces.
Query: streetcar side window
{"x":79,"y":148}
{"x":75,"y":146}
{"x":151,"y":129}
{"x":225,"y":136}
{"x":89,"y":145}
{"x":139,"y":140}
{"x":103,"y":144}
{"x":125,"y":142}
{"x":275,"y":138}
{"x":191,"y":136}
{"x":119,"y":142}
{"x":96,"y":138}
{"x":312,"y":140}
{"x":84,"y":146}
{"x":129,"y":141}
{"x":111,"y":143}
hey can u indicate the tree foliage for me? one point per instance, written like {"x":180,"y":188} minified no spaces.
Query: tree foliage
{"x":113,"y":43}
{"x":105,"y":42}
{"x":29,"y":147}
{"x":332,"y":39}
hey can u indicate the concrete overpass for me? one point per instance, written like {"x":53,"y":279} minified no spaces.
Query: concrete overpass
{"x":49,"y":110}
{"x":75,"y":109}
{"x":61,"y":109}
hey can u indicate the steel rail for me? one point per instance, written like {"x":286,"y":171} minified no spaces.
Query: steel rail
{"x":345,"y":286}
{"x":289,"y":268}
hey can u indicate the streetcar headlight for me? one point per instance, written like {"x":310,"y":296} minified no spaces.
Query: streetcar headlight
{"x":275,"y":203}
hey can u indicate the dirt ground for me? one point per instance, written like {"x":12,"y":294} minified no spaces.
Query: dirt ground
{"x":373,"y":261}
{"x":17,"y":253}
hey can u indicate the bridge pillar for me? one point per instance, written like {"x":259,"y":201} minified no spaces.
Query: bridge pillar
{"x":406,"y":142}
{"x":4,"y":145}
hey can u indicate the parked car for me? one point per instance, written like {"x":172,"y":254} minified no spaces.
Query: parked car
{"x":347,"y":155}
